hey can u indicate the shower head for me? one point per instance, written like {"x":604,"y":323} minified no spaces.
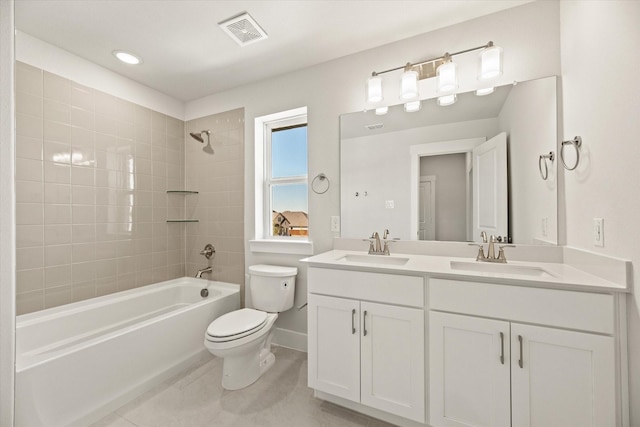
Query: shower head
{"x":198,"y":135}
{"x":207,"y":149}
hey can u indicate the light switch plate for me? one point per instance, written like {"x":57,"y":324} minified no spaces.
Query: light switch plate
{"x":598,"y":232}
{"x":389,"y":204}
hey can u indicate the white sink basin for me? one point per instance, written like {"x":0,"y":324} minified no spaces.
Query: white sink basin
{"x":485,"y":267}
{"x":374,"y":259}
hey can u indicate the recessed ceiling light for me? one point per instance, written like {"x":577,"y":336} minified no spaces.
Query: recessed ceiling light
{"x":127,"y":58}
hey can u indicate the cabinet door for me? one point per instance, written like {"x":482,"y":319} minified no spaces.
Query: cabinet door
{"x":334,"y":346}
{"x":392,"y":345}
{"x":468,"y":371}
{"x":562,"y":378}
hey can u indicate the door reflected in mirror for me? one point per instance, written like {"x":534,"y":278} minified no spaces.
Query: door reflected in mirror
{"x":416,"y":174}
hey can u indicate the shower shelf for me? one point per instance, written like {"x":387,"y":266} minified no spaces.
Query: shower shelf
{"x":186,"y":193}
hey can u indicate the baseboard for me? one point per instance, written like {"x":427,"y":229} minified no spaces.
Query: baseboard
{"x":367,"y":410}
{"x":290,"y":339}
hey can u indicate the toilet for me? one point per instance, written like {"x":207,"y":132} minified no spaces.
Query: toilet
{"x":243,"y":337}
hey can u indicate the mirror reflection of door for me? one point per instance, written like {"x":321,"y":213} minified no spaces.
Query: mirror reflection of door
{"x":449,"y":191}
{"x":427,"y":208}
{"x":490,"y":187}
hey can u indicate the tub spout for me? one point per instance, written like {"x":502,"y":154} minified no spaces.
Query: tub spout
{"x":203,"y":270}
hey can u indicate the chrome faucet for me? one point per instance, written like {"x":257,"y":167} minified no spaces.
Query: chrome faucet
{"x":491,"y":252}
{"x":203,"y":270}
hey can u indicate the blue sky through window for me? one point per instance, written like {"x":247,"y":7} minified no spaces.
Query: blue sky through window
{"x":289,"y":159}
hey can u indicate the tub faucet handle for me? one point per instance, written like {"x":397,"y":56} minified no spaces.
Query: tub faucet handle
{"x":208,"y":251}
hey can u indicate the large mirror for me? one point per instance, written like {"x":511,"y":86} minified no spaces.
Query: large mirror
{"x":447,"y":173}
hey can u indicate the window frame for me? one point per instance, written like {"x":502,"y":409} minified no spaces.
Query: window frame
{"x":269,"y":182}
{"x":263,"y":241}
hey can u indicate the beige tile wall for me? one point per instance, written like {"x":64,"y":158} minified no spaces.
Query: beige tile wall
{"x":219,"y":206}
{"x":92,"y":174}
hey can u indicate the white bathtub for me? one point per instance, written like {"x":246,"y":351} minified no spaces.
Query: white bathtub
{"x":78,"y":362}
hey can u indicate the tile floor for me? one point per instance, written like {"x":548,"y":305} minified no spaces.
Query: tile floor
{"x":196,"y":398}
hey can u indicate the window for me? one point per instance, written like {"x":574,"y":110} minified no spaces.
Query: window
{"x":286,"y":178}
{"x":281,"y":184}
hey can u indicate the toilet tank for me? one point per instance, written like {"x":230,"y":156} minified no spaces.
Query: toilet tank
{"x":272,"y":287}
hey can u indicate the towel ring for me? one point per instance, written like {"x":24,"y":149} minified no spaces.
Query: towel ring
{"x":576,"y":142}
{"x":543,"y":161}
{"x":317,"y":182}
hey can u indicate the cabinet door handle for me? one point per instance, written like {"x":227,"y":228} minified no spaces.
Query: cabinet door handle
{"x":502,"y":348}
{"x":364,"y":323}
{"x":353,"y":321}
{"x":520,"y":361}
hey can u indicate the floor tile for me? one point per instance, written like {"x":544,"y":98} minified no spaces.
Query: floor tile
{"x":195,"y":398}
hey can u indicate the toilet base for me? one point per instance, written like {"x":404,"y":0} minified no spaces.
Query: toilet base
{"x":242,"y":370}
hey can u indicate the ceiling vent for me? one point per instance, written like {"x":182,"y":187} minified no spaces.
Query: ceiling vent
{"x":374,"y":126}
{"x":243,"y":29}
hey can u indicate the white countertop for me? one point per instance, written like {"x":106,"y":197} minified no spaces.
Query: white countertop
{"x":552,"y":275}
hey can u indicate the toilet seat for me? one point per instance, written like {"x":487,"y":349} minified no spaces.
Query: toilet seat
{"x":236,"y":324}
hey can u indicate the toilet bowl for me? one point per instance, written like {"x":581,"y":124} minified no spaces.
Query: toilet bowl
{"x":243,"y":337}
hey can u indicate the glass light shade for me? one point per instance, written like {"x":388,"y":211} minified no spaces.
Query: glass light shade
{"x":447,"y":77}
{"x":409,"y":85}
{"x":382,"y":110}
{"x":412,"y":107}
{"x":490,"y":64}
{"x":445,"y":100}
{"x":374,"y":89}
{"x":485,"y":91}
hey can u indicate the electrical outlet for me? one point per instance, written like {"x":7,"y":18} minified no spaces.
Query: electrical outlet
{"x":598,"y":232}
{"x":544,"y":226}
{"x":389,"y":204}
{"x":335,"y":223}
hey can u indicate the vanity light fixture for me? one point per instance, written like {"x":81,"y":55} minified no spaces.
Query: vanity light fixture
{"x":374,"y":88}
{"x":412,"y":106}
{"x":445,"y":100}
{"x":127,"y":57}
{"x":408,"y":84}
{"x":490,"y":66}
{"x":380,"y":111}
{"x":447,"y":76}
{"x":485,"y":91}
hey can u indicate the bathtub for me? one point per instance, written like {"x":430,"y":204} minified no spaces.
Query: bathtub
{"x":78,"y":362}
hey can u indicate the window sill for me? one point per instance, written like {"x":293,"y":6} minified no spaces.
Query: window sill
{"x":294,"y":247}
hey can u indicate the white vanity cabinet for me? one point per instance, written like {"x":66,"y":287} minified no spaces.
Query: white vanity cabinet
{"x":366,"y":339}
{"x":505,"y":355}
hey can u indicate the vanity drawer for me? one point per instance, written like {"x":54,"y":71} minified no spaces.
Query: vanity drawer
{"x":367,"y":286}
{"x":566,"y":309}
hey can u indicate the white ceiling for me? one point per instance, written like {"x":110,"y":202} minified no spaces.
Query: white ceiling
{"x":187,"y":56}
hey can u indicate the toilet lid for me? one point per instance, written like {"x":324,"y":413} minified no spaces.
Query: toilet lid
{"x":240,"y":322}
